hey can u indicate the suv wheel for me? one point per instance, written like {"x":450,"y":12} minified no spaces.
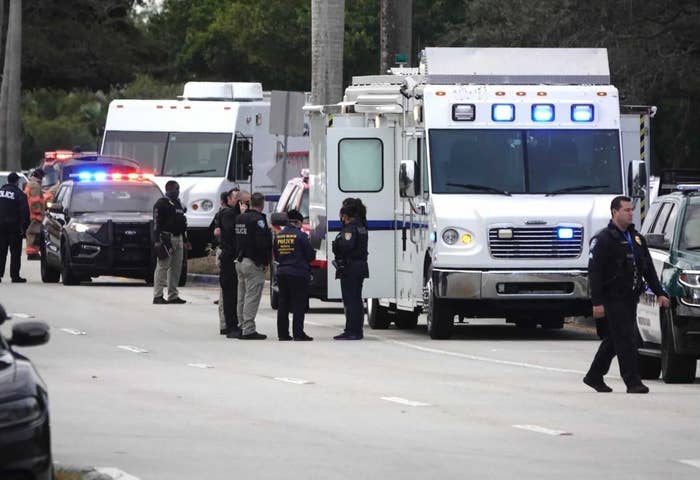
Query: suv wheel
{"x":48,"y":274}
{"x":675,"y":368}
{"x":67,"y":275}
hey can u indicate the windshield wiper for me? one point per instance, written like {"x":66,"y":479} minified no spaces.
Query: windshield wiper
{"x":576,"y":188}
{"x":482,"y":188}
{"x":193,"y":172}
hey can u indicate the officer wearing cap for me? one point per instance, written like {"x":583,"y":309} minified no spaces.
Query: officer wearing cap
{"x":254,"y":245}
{"x":37,"y":210}
{"x":350,"y":250}
{"x":14,"y":220}
{"x":228,"y":279}
{"x":618,"y":264}
{"x":293,"y":252}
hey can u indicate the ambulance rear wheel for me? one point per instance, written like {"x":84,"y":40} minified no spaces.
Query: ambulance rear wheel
{"x":377,"y":316}
{"x":440,"y":318}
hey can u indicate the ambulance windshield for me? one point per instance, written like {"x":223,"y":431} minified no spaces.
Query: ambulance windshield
{"x":525,"y":161}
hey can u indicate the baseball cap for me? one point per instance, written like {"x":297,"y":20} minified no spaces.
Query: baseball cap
{"x":12,"y":177}
{"x":295,"y":215}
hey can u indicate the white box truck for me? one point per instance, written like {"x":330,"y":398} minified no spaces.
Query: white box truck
{"x":486,"y":171}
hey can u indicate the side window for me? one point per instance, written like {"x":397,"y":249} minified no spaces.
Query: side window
{"x":670,"y":223}
{"x":293,"y":202}
{"x":423,"y":153}
{"x":242,"y":160}
{"x":63,"y":196}
{"x":660,"y":222}
{"x":650,"y":218}
{"x":360,"y":165}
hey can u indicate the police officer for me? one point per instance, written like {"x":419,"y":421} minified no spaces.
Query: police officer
{"x":228,"y":279}
{"x":254,"y":245}
{"x":37,"y":210}
{"x":619,"y":261}
{"x":170,"y":233}
{"x":14,"y":220}
{"x":293,"y":252}
{"x":350,"y":250}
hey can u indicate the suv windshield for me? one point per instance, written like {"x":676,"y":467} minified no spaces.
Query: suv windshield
{"x":175,"y":153}
{"x":690,"y":233}
{"x":525,"y":161}
{"x":123,"y":197}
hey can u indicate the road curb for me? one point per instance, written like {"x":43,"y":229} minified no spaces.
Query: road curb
{"x":202,"y":279}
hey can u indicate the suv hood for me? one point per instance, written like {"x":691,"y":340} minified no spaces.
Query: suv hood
{"x":103,"y":217}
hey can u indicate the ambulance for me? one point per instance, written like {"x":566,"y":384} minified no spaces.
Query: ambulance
{"x":485,"y":171}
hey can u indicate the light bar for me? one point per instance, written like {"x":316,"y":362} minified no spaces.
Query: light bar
{"x":543,"y":113}
{"x":503,"y":112}
{"x":463,"y":112}
{"x":582,"y":113}
{"x":565,"y":233}
{"x":102,"y":176}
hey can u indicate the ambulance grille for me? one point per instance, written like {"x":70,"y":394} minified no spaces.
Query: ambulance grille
{"x":537,"y":242}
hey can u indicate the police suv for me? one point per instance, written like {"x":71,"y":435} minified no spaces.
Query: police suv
{"x":671,"y":337}
{"x":100,"y":224}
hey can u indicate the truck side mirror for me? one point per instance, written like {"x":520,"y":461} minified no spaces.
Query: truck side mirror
{"x":407,"y":179}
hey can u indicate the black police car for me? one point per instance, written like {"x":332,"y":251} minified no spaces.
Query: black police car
{"x":25,"y":438}
{"x":100,"y":223}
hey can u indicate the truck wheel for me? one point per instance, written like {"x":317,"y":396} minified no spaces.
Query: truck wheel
{"x":183,"y":272}
{"x":440,"y":319}
{"x":675,"y":368}
{"x":48,"y":274}
{"x":67,"y":275}
{"x":649,"y":367}
{"x":377,"y":316}
{"x":405,"y":320}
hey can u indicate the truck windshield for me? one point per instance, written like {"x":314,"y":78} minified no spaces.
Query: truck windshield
{"x":525,"y":161}
{"x":173,"y":154}
{"x":125,"y":197}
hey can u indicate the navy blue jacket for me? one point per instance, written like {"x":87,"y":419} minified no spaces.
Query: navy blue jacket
{"x":350,"y":248}
{"x":14,"y":210}
{"x":293,"y":252}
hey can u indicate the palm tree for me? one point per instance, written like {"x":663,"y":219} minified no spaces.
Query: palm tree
{"x":327,"y":36}
{"x":11,"y":92}
{"x":396,"y":19}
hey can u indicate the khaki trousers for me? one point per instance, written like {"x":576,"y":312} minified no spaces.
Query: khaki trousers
{"x":251,"y":280}
{"x":168,"y":270}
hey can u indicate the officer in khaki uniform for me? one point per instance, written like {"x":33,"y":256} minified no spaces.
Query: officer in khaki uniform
{"x":254,"y":244}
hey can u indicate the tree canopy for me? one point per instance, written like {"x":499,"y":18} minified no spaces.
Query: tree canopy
{"x":103,"y":46}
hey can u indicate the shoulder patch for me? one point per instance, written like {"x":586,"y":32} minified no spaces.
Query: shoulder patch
{"x":348,"y":235}
{"x":261,"y":224}
{"x":638,"y":239}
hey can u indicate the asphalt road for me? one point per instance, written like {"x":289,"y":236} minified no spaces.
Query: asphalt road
{"x":155,"y":391}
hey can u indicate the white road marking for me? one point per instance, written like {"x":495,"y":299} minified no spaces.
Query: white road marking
{"x":403,"y":401}
{"x":692,"y":463}
{"x":115,"y":473}
{"x":295,"y":381}
{"x":73,"y":331}
{"x":487,"y":359}
{"x":22,"y":315}
{"x":200,"y":365}
{"x":315,"y":324}
{"x":546,"y":431}
{"x":133,"y":349}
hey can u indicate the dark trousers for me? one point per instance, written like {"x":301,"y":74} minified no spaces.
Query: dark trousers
{"x":228,"y":280}
{"x":13,"y":241}
{"x":351,"y":288}
{"x":293,"y":297}
{"x":621,"y":339}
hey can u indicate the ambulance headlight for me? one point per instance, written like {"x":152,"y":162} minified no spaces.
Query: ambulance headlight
{"x":582,"y":113}
{"x":463,"y":112}
{"x":450,"y":236}
{"x":207,"y":205}
{"x":503,"y":112}
{"x":543,"y":113}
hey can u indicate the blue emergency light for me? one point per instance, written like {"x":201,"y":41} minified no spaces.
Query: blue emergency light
{"x":565,"y":233}
{"x":503,"y":112}
{"x":582,"y":113}
{"x":543,"y":113}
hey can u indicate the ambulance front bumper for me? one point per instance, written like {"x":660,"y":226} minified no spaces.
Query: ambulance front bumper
{"x":510,"y":284}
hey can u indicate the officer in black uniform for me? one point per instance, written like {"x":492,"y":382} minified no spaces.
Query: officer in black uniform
{"x":170,"y":233}
{"x":293,"y":252}
{"x":14,"y":220}
{"x":228,"y":279}
{"x":350,"y":250}
{"x":254,"y":245}
{"x":619,"y":261}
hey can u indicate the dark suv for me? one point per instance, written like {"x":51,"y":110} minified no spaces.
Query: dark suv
{"x":101,"y":223}
{"x":25,"y":438}
{"x":672,"y":336}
